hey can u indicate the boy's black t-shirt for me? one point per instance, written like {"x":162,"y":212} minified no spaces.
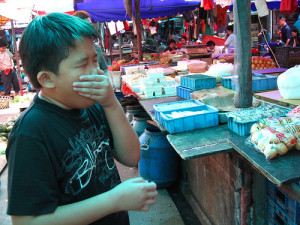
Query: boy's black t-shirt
{"x":57,"y":157}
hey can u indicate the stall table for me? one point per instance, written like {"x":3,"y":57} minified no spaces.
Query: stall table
{"x":196,"y":143}
{"x":276,"y":98}
{"x":279,"y":170}
{"x":202,"y":142}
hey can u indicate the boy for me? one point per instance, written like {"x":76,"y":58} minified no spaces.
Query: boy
{"x":60,"y":151}
{"x":7,"y":73}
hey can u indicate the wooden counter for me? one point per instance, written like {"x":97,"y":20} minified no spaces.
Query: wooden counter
{"x":202,"y":142}
{"x":276,"y":98}
{"x":195,"y":143}
{"x":279,"y":170}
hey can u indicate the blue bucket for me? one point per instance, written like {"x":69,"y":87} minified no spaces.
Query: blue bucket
{"x":159,"y":161}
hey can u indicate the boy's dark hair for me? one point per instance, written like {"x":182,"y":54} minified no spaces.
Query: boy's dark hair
{"x":171,"y":41}
{"x":47,"y":40}
{"x":230,"y":28}
{"x":281,"y":18}
{"x":184,"y":37}
{"x":3,"y":42}
{"x":210,"y":43}
{"x":81,"y":14}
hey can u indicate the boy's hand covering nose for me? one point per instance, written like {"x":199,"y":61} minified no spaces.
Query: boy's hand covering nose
{"x":96,"y":87}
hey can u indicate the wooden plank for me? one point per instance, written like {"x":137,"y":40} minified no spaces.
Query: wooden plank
{"x":202,"y":142}
{"x":279,"y":170}
{"x":276,"y":98}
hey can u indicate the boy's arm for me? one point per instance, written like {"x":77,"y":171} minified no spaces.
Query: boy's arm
{"x":126,"y":142}
{"x":133,"y":194}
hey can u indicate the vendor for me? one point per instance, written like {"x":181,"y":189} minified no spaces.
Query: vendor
{"x":171,"y":46}
{"x":285,"y":30}
{"x":183,"y":42}
{"x":215,"y":50}
{"x":230,"y":41}
{"x":295,"y":40}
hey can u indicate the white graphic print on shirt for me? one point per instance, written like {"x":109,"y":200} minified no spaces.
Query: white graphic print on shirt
{"x":90,"y":153}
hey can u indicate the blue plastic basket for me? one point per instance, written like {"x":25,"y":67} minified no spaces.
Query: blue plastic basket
{"x":159,"y":108}
{"x":243,"y":128}
{"x":209,"y":118}
{"x":198,"y":82}
{"x":184,"y":92}
{"x":285,"y":207}
{"x":260,"y":82}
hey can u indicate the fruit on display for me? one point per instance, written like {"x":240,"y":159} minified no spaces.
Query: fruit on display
{"x":5,"y":129}
{"x":261,"y":63}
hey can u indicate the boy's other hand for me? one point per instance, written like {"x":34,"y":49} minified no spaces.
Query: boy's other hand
{"x":135,"y":194}
{"x":96,"y":87}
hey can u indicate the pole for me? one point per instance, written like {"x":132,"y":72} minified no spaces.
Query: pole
{"x":138,"y":29}
{"x":16,"y":55}
{"x":243,"y":55}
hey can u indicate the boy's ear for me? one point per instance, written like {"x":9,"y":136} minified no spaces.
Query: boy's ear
{"x":45,"y":78}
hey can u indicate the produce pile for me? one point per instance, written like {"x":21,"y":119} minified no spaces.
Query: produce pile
{"x":276,"y":135}
{"x":5,"y":129}
{"x":261,"y":63}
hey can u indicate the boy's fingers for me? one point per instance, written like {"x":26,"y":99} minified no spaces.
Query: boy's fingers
{"x":96,"y":85}
{"x":150,"y":202}
{"x":94,"y":77}
{"x":145,"y":208}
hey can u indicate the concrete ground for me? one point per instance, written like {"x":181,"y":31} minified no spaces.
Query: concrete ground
{"x":164,"y":212}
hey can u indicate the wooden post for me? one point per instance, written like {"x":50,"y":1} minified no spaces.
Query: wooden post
{"x":17,"y":56}
{"x":138,"y":29}
{"x":243,"y":55}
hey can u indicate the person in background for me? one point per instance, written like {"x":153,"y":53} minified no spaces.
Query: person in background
{"x":295,"y":40}
{"x":61,"y":150}
{"x":183,"y":40}
{"x":101,"y":59}
{"x":285,"y":30}
{"x":171,"y":46}
{"x":230,"y":41}
{"x":212,"y":48}
{"x":264,"y":37}
{"x":7,"y":72}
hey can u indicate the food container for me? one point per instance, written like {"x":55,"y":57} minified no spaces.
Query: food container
{"x":198,"y":82}
{"x":192,"y":118}
{"x":198,"y":67}
{"x":158,"y":108}
{"x":240,"y":121}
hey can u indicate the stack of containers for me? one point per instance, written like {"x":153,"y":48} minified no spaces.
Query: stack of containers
{"x":186,"y":115}
{"x":156,"y":85}
{"x":280,"y":209}
{"x":260,"y":82}
{"x":191,"y":83}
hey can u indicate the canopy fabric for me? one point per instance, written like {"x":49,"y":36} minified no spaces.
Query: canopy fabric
{"x":272,"y":4}
{"x":114,"y":10}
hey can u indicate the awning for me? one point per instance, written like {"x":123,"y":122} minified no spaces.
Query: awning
{"x":113,"y":10}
